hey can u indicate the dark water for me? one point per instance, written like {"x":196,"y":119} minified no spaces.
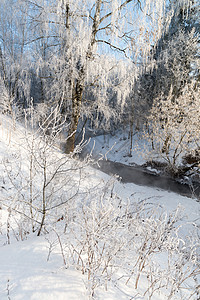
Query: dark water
{"x":141,"y":176}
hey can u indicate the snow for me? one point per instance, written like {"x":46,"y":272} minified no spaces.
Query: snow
{"x":29,"y":271}
{"x":117,"y":148}
{"x":26,"y":274}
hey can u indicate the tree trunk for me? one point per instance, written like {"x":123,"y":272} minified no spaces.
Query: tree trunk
{"x":77,"y":88}
{"x":76,"y":108}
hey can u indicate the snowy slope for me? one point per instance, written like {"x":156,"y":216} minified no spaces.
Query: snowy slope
{"x":34,"y":268}
{"x":26,"y":274}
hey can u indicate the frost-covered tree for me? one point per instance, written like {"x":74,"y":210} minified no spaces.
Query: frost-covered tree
{"x":174,"y":59}
{"x":14,"y":59}
{"x":165,"y":87}
{"x":77,"y":55}
{"x":176,"y":53}
{"x":175,"y":128}
{"x":78,"y":39}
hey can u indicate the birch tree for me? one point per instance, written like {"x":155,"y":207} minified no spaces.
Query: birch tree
{"x":84,"y":41}
{"x":83,"y":55}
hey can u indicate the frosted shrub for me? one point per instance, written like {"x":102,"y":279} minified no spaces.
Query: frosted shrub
{"x":130,"y":245}
{"x":93,"y":236}
{"x":41,"y":179}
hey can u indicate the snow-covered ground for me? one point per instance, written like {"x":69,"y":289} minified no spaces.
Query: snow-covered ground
{"x":41,"y":267}
{"x":117,"y":148}
{"x":26,"y":274}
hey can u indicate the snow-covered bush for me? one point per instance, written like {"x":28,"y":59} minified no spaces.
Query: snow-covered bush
{"x":129,"y":245}
{"x":41,"y":179}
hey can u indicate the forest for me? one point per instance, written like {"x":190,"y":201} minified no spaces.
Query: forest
{"x":102,"y":66}
{"x":86,"y":81}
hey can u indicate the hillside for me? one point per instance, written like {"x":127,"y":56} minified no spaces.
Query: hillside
{"x":69,"y":231}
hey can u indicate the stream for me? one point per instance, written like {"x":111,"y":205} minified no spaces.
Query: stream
{"x":141,"y":176}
